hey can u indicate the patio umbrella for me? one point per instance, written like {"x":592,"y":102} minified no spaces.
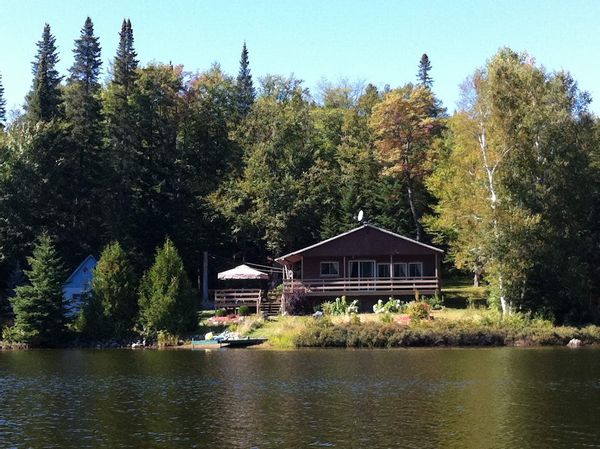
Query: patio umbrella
{"x":242,"y":272}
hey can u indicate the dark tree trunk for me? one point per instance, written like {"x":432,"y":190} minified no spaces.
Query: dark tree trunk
{"x":413,"y":209}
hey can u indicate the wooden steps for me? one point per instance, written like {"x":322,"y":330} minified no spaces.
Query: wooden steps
{"x":271,"y":306}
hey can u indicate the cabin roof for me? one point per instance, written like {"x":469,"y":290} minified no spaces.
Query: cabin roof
{"x":81,"y":265}
{"x":295,"y":256}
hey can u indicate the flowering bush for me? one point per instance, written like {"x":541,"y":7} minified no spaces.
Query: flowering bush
{"x":418,"y":310}
{"x":391,"y":306}
{"x":340,"y":307}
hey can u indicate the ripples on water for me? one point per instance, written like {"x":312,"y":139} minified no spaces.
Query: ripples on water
{"x":430,"y":398}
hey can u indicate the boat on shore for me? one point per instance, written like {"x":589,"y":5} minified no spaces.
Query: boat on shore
{"x":225,"y":340}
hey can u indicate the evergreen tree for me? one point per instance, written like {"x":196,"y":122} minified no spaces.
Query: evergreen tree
{"x":125,"y":65}
{"x":39,"y":307}
{"x":15,"y":279}
{"x":113,"y":304}
{"x":166,"y":300}
{"x":2,"y":105}
{"x":83,"y":113}
{"x":121,"y":132}
{"x":423,"y":74}
{"x":82,"y":102}
{"x":246,"y":93}
{"x":44,"y":101}
{"x":154,"y":167}
{"x":36,"y":184}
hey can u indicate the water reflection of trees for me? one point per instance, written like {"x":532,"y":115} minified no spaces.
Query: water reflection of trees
{"x":422,"y":398}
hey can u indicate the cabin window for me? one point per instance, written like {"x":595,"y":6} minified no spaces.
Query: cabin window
{"x":399,"y":270}
{"x":383,"y":270}
{"x":330,"y":268}
{"x":415,"y":269}
{"x":361,"y":268}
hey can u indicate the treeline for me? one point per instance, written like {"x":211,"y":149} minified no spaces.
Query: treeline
{"x":508,"y":184}
{"x":119,"y":305}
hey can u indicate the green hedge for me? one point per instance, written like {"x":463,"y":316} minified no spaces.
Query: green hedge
{"x":322,"y":333}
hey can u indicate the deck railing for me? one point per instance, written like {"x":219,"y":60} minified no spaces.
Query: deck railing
{"x":336,"y":286}
{"x":234,"y":298}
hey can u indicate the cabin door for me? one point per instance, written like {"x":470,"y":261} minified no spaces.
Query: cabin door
{"x":361,"y":268}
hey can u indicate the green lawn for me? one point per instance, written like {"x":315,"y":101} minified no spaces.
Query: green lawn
{"x":460,"y":293}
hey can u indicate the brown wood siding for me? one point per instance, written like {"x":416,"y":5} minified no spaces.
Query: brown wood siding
{"x":312,"y":269}
{"x":367,"y":242}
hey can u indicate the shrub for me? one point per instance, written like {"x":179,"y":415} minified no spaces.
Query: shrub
{"x":354,"y":319}
{"x":466,"y":332}
{"x":295,"y":303}
{"x":418,"y":310}
{"x":391,"y":306}
{"x":435,"y":302}
{"x":91,"y":321}
{"x":244,"y":311}
{"x":340,"y":307}
{"x":220,"y":312}
{"x":387,"y":318}
{"x":167,"y":339}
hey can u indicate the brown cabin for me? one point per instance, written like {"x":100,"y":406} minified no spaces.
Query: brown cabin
{"x":368,"y":263}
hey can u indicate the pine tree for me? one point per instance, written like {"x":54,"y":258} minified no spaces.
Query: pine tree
{"x":44,"y":101}
{"x":39,"y":307}
{"x":121,"y":131}
{"x":113,"y":303}
{"x":125,"y":65}
{"x":166,"y":300}
{"x":246,"y":93}
{"x":83,"y":113}
{"x":423,"y":73}
{"x":82,"y":103}
{"x":2,"y":105}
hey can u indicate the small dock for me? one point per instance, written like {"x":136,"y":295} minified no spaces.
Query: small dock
{"x":227,"y":343}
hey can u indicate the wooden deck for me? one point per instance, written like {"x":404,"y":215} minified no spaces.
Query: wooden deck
{"x":427,"y":285}
{"x":234,"y":298}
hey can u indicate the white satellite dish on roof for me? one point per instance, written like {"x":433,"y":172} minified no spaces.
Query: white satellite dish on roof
{"x":360,"y":215}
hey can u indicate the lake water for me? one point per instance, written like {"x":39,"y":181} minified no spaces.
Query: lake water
{"x":413,"y":398}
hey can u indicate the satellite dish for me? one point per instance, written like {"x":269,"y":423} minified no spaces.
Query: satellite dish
{"x":360,"y":215}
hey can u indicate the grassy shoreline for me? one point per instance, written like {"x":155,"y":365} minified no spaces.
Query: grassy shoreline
{"x":447,"y":329}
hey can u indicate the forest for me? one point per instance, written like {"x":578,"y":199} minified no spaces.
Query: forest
{"x":157,"y":156}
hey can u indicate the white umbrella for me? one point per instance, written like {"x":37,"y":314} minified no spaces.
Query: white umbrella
{"x":242,"y":272}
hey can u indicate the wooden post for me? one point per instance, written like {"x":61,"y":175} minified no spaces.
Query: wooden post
{"x":391,"y":272}
{"x":344,"y":271}
{"x":437,"y":280}
{"x":199,"y":283}
{"x":205,"y":280}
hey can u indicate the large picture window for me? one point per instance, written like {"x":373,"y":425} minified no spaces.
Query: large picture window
{"x":399,"y":270}
{"x":415,"y":269}
{"x":383,"y":270}
{"x":361,"y":268}
{"x":330,"y":268}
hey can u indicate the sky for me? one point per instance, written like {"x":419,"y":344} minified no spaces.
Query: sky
{"x":363,"y":41}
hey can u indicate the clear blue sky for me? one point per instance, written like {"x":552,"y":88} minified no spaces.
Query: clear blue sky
{"x":372,"y":41}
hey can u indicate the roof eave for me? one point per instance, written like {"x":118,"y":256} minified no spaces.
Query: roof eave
{"x":303,"y":250}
